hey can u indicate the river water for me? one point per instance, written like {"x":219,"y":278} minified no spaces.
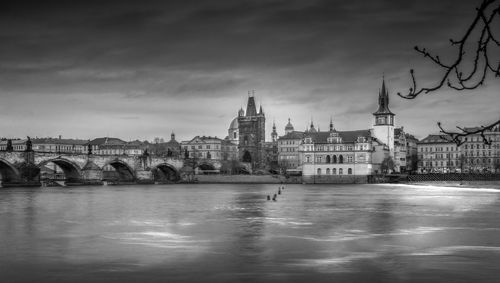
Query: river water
{"x":231,"y":233}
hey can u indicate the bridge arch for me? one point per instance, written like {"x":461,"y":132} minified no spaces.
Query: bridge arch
{"x":72,"y":171}
{"x":165,"y":172}
{"x":123,"y":171}
{"x":8,"y":172}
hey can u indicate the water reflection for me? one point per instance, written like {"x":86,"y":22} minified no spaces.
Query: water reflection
{"x":228,"y":233}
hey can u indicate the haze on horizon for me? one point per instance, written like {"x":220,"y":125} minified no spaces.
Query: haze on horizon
{"x":139,"y":70}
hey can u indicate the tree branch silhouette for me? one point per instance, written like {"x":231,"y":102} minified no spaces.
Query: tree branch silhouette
{"x":461,"y":74}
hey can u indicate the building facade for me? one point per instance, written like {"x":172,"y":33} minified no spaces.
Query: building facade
{"x":400,"y":150}
{"x":60,"y":145}
{"x":438,"y":154}
{"x":336,"y":156}
{"x":252,"y":133}
{"x":203,"y":147}
{"x":352,"y":156}
{"x":411,"y":153}
{"x":478,"y":156}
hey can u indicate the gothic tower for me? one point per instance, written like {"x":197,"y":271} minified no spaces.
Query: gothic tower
{"x":251,"y":128}
{"x":383,"y":129}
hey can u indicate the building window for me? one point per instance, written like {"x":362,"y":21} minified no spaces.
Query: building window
{"x":327,"y":171}
{"x":341,"y":159}
{"x":334,"y":159}
{"x":341,"y":171}
{"x":319,"y":171}
{"x":349,"y":171}
{"x":334,"y":171}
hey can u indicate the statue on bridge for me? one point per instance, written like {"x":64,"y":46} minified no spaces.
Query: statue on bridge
{"x":89,"y":149}
{"x":29,"y":145}
{"x":9,"y":147}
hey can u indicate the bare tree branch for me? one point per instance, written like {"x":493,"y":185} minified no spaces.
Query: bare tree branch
{"x":459,"y":74}
{"x":456,"y":75}
{"x":459,"y":137}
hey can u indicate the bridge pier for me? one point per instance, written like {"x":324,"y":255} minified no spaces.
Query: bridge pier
{"x":144,"y":176}
{"x":91,"y":174}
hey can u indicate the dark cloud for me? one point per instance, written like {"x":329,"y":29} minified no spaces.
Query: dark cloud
{"x":125,"y":57}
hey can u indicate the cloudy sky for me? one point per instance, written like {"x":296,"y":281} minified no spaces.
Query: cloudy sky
{"x":142,"y":69}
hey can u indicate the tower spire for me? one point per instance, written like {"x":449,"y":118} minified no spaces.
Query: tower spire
{"x":383,"y":100}
{"x":251,"y":110}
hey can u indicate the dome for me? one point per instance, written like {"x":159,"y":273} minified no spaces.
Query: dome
{"x":234,"y":124}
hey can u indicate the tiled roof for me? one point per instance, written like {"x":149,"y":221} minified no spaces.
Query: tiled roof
{"x":436,"y":139}
{"x":292,"y":136}
{"x":347,"y":136}
{"x":106,"y":140}
{"x":59,"y":141}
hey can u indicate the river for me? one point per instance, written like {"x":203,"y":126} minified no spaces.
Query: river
{"x":231,"y":233}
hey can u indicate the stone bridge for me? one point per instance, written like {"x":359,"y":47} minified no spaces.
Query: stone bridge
{"x":23,"y":168}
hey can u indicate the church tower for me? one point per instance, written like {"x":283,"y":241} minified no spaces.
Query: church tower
{"x":383,"y":129}
{"x":274,"y":134}
{"x":252,"y":133}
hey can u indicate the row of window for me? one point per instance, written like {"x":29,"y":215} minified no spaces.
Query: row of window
{"x":457,"y":163}
{"x":201,"y":146}
{"x":331,"y":159}
{"x":333,"y":171}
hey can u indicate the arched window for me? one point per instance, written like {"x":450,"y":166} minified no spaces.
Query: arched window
{"x":341,"y":171}
{"x":349,"y":171}
{"x":327,"y":171}
{"x":319,"y":171}
{"x":334,"y":171}
{"x":328,"y":159}
{"x":334,"y":159}
{"x":341,"y":159}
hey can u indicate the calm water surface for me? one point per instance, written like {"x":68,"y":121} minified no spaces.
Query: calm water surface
{"x":231,"y":233}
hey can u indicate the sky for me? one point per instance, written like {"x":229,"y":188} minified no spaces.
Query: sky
{"x":144,"y":69}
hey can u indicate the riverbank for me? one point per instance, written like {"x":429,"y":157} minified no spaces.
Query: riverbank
{"x":470,"y":184}
{"x":240,"y":179}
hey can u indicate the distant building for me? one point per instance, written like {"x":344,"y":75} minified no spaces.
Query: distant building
{"x":288,"y":148}
{"x":333,"y":155}
{"x":271,"y":151}
{"x":350,"y":156}
{"x":203,"y":147}
{"x":251,"y":128}
{"x":438,"y":154}
{"x":60,"y":145}
{"x":172,"y":148}
{"x":478,"y":156}
{"x":229,"y":150}
{"x":115,"y":146}
{"x":17,"y":144}
{"x":400,"y":150}
{"x":411,"y":153}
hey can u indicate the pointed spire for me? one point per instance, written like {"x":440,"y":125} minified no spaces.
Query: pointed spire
{"x":260,"y":110}
{"x":331,"y":124}
{"x":383,"y":100}
{"x":251,"y":110}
